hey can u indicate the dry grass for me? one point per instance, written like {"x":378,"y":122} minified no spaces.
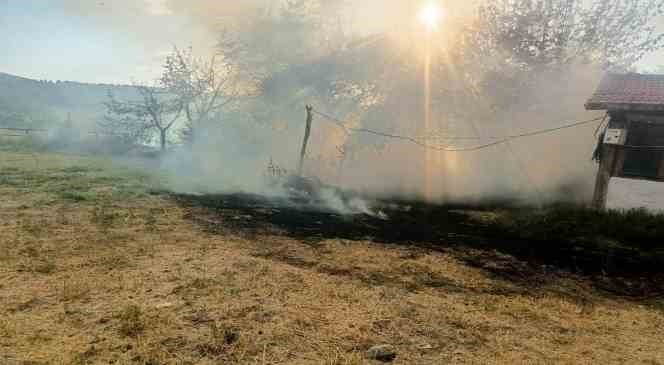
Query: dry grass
{"x":106,"y":279}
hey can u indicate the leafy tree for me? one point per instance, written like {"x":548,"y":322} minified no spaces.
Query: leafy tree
{"x":482,"y":67}
{"x":512,"y":45}
{"x":532,"y":33}
{"x":290,"y":33}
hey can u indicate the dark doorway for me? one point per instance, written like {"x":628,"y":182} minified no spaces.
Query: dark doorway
{"x":640,"y":162}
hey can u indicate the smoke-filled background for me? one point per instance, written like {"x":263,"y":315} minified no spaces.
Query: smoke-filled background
{"x":484,"y":71}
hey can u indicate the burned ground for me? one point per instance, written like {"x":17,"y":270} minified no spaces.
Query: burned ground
{"x":473,"y":234}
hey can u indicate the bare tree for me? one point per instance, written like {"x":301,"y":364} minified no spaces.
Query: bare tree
{"x":190,"y":87}
{"x":154,"y":110}
{"x":203,"y":87}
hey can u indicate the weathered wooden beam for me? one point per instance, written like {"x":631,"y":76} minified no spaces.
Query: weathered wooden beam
{"x":604,"y":174}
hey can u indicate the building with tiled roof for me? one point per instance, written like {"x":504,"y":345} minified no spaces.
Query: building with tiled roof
{"x":632,"y":145}
{"x":635,"y":92}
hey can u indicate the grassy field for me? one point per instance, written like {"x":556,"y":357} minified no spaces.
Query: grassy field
{"x":98,"y":267}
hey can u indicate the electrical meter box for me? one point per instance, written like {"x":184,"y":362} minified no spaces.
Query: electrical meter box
{"x":615,"y":136}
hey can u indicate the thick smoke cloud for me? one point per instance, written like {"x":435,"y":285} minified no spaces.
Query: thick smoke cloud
{"x":233,"y":153}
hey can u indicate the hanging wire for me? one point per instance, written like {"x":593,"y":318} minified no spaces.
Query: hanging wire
{"x":500,"y":140}
{"x":602,"y":126}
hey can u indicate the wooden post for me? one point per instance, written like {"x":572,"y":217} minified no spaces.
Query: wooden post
{"x":307,"y":134}
{"x":343,"y":155}
{"x":606,"y":167}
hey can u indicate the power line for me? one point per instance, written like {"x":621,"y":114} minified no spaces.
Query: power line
{"x":501,"y":140}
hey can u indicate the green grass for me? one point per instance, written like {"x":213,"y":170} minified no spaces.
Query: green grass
{"x":636,"y":228}
{"x":616,"y":241}
{"x":29,"y":143}
{"x":78,"y":197}
{"x":77,"y":180}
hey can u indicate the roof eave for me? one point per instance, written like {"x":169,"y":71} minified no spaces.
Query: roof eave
{"x":596,"y":106}
{"x":624,"y":107}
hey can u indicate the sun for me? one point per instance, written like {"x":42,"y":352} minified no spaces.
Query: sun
{"x":431,"y":15}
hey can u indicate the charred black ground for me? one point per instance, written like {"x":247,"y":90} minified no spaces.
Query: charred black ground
{"x":524,"y":245}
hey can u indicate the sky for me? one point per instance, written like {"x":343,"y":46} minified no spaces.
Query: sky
{"x":120,"y":41}
{"x":104,"y":41}
{"x":111,"y":41}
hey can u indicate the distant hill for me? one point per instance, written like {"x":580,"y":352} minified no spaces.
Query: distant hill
{"x":39,"y":103}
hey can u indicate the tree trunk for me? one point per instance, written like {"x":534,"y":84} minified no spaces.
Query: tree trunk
{"x":187,"y":112}
{"x":162,"y":139}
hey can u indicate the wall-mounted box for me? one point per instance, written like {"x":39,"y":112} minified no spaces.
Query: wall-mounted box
{"x":615,"y":136}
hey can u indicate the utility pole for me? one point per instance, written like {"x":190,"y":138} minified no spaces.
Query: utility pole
{"x":305,"y":142}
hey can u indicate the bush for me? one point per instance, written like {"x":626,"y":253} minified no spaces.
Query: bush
{"x":132,"y":322}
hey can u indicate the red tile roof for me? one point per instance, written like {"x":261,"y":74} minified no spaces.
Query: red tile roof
{"x":629,"y":92}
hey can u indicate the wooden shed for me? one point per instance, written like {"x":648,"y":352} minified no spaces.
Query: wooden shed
{"x":632,"y":144}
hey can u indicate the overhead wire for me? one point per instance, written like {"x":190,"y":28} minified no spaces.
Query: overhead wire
{"x":602,"y":126}
{"x":500,"y":140}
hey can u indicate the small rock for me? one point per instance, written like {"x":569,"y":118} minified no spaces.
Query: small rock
{"x":384,"y":353}
{"x":425,"y":346}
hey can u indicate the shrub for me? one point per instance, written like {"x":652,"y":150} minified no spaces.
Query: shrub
{"x":132,"y":321}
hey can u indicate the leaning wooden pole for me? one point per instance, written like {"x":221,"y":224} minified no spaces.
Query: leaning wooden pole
{"x":606,"y":167}
{"x":305,"y":142}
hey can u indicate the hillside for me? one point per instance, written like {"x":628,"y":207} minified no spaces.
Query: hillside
{"x":40,"y":103}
